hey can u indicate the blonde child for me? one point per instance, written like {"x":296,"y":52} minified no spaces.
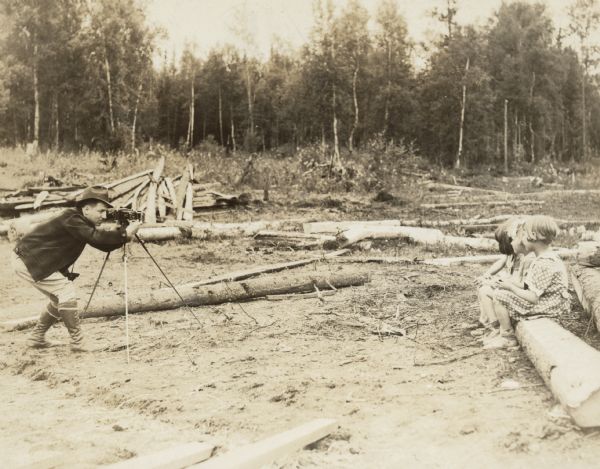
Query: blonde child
{"x":544,"y":292}
{"x":512,"y":266}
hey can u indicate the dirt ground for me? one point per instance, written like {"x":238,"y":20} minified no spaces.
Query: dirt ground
{"x":246,"y":371}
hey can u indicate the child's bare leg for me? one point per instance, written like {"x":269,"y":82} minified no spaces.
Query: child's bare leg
{"x":503,"y":317}
{"x":486,"y":307}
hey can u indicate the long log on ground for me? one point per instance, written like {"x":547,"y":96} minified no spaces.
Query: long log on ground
{"x":441,"y":261}
{"x":225,"y":292}
{"x":439,"y":185}
{"x":586,"y":281}
{"x":163,"y":233}
{"x":267,"y":234}
{"x":339,"y":226}
{"x":205,"y":229}
{"x":264,"y":452}
{"x":491,"y":203}
{"x":569,"y":367}
{"x":427,"y":236}
{"x":294,"y":238}
{"x":561,"y":192}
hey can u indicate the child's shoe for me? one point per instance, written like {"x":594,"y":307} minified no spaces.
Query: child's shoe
{"x":500,"y":342}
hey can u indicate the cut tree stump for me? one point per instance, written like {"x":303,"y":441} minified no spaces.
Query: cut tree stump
{"x":569,"y":367}
{"x":225,"y":292}
{"x":264,"y":452}
{"x":176,"y":457}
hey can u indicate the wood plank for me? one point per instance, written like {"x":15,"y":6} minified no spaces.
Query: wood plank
{"x":180,"y":195}
{"x":150,"y":214}
{"x":175,"y":457}
{"x":263,"y":452}
{"x":188,"y":212}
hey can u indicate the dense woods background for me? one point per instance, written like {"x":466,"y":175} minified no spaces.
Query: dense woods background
{"x":83,"y":74}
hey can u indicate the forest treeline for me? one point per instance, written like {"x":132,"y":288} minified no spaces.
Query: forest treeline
{"x":83,"y":74}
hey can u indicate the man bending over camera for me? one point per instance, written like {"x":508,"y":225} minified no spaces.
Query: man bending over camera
{"x":43,"y":256}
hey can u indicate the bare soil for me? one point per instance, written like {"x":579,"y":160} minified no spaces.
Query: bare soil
{"x":242,"y":372}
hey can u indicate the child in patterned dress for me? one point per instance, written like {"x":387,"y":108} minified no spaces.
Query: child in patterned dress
{"x":544,"y":292}
{"x":512,"y":265}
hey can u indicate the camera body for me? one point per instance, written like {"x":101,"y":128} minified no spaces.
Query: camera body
{"x":124,"y":216}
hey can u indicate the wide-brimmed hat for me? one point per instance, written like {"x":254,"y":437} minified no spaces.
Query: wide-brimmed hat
{"x":94,"y":193}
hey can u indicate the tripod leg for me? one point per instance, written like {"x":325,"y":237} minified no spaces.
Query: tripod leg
{"x":126,"y":301}
{"x":183,"y":302}
{"x":97,"y":281}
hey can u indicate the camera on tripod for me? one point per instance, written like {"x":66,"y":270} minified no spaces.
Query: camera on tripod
{"x":124,"y":216}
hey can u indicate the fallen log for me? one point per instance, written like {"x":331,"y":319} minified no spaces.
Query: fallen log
{"x":206,"y":229}
{"x":420,"y":235}
{"x":568,"y":366}
{"x":439,"y":185}
{"x":164,"y":233}
{"x":491,"y":203}
{"x":441,"y":261}
{"x":427,"y":236}
{"x":586,"y":282}
{"x":225,"y":292}
{"x":561,"y":192}
{"x":339,"y":226}
{"x":293,"y":239}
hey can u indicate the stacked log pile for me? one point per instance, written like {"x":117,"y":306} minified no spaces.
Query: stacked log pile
{"x":160,"y":197}
{"x":157,"y":195}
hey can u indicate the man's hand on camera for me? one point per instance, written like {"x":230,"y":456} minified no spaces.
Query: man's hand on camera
{"x":132,"y":229}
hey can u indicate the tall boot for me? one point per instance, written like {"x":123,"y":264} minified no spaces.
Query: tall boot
{"x":70,"y":315}
{"x":47,"y":319}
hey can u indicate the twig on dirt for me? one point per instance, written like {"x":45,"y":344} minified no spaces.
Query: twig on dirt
{"x":360,"y":359}
{"x":240,"y":306}
{"x":515,"y":389}
{"x":245,"y":336}
{"x":318,"y":292}
{"x":450,"y":360}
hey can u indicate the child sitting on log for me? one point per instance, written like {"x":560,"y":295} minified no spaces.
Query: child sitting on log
{"x":512,"y":266}
{"x":544,"y":292}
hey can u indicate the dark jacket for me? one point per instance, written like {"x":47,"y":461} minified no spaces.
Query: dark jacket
{"x":56,"y":244}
